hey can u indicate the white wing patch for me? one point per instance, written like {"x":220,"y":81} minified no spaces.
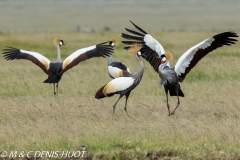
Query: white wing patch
{"x":118,"y":84}
{"x":128,"y":70}
{"x":46,"y":62}
{"x":184,"y":61}
{"x":75,"y":54}
{"x":113,"y":71}
{"x":153,"y":44}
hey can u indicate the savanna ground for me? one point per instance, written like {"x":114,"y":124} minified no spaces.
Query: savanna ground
{"x":205,"y":126}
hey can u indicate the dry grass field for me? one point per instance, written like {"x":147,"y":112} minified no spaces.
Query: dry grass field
{"x":205,"y":126}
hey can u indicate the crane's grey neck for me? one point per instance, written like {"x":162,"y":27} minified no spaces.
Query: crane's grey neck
{"x":59,"y":54}
{"x":161,"y":68}
{"x":141,"y":70}
{"x":110,"y":59}
{"x":163,"y":73}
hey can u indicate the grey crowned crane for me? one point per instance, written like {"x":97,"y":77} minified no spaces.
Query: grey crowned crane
{"x":125,"y":84}
{"x":55,"y":70}
{"x":115,"y":68}
{"x":170,"y":77}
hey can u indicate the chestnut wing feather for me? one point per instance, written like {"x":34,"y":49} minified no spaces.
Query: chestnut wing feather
{"x":10,"y":53}
{"x":192,"y":56}
{"x":99,"y":50}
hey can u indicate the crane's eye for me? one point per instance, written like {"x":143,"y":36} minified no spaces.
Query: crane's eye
{"x":162,"y":55}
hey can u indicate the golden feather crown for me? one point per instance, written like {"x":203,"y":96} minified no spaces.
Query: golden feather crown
{"x":169,"y":55}
{"x":134,"y":49}
{"x":56,"y":40}
{"x":114,"y":40}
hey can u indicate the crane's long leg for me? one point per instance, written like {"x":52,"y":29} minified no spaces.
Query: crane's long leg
{"x":54,"y":89}
{"x":178,"y":103}
{"x":114,"y":106}
{"x":125,"y":108}
{"x":176,"y":106}
{"x":57,"y":88}
{"x":168,"y":106}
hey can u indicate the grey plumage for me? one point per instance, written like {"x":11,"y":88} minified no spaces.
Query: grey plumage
{"x":169,"y":80}
{"x":109,"y":89}
{"x":154,"y":53}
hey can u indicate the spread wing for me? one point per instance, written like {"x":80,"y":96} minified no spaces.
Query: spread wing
{"x":10,"y":53}
{"x":99,"y":50}
{"x":151,"y":47}
{"x":193,"y":55}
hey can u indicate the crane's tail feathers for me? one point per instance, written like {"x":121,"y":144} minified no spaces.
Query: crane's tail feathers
{"x":99,"y":94}
{"x":180,"y":93}
{"x":173,"y":92}
{"x":53,"y":79}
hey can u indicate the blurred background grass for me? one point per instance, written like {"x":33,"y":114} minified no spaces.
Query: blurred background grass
{"x":54,"y":15}
{"x":206,"y":125}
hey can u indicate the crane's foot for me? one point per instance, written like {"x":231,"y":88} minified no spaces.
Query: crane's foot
{"x":113,"y":110}
{"x":129,"y":115}
{"x":168,"y":107}
{"x":172,"y":113}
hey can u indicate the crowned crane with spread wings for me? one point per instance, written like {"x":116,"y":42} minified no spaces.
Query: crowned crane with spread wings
{"x":55,"y":70}
{"x":159,"y":59}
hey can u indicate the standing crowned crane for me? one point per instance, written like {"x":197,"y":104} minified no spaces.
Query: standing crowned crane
{"x":125,"y":84}
{"x":116,"y":69}
{"x":159,"y":59}
{"x":56,"y":70}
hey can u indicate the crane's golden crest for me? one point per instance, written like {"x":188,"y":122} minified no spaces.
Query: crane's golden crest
{"x":134,"y":49}
{"x":169,"y":55}
{"x":114,"y":40}
{"x":56,"y":40}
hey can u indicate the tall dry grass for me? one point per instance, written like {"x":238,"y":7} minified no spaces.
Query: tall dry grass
{"x":205,"y":125}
